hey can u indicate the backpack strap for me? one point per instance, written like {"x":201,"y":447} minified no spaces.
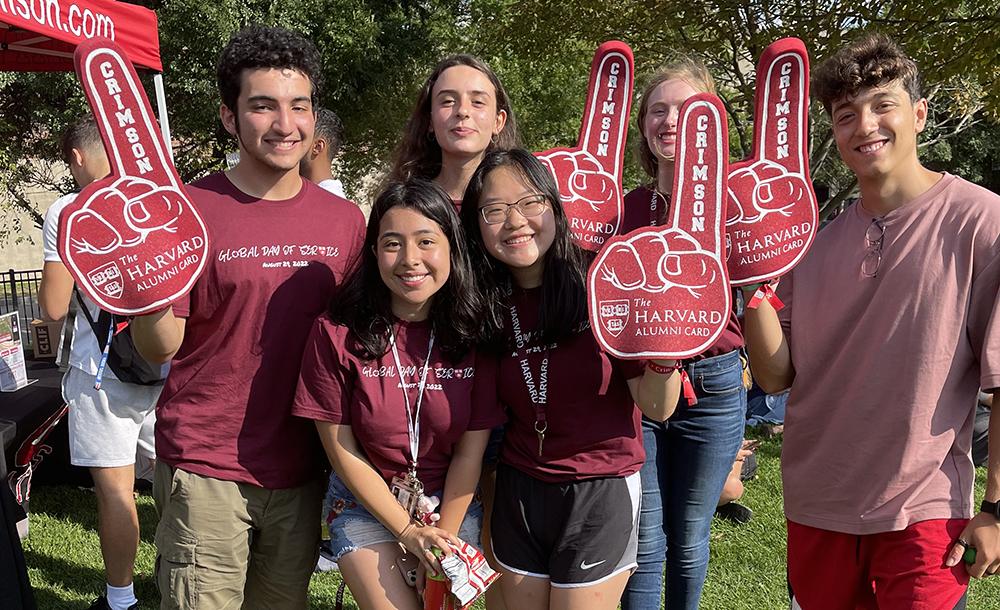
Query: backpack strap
{"x":94,"y":325}
{"x":102,"y":318}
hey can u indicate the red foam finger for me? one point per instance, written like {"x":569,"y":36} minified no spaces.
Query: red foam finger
{"x":663,"y":292}
{"x":101,"y":236}
{"x":624,"y":268}
{"x":648,"y":301}
{"x":598,"y":187}
{"x":591,"y":197}
{"x":702,"y":167}
{"x":604,"y":129}
{"x":773,"y":215}
{"x":133,"y":241}
{"x":781,"y":113}
{"x":563,"y":167}
{"x":129,"y":130}
{"x":589,"y":175}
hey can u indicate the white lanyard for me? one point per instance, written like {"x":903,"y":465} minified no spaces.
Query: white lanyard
{"x":412,"y":421}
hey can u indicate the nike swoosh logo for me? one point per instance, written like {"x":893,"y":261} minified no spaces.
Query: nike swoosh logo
{"x":586,"y":566}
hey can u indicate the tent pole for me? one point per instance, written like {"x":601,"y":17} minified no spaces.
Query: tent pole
{"x":161,"y":110}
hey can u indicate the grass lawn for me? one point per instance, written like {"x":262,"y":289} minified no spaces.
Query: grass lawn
{"x":747,"y":569}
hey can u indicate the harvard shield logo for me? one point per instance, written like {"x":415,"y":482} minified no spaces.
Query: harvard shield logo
{"x":614,"y":315}
{"x":107,"y":279}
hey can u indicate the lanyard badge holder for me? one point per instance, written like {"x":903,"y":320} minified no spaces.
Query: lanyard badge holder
{"x":408,"y":489}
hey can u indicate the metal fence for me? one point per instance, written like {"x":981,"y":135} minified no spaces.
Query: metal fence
{"x":19,"y":292}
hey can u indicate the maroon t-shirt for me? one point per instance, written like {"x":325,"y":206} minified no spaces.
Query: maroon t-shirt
{"x":336,"y":386}
{"x":638,"y":214}
{"x":225,"y":410}
{"x":593,"y":423}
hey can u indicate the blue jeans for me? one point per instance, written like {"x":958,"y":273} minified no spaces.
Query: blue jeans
{"x":688,"y":459}
{"x":766,"y":408}
{"x":352,"y":527}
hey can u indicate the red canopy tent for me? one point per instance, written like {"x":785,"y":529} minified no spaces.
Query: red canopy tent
{"x":40,"y":36}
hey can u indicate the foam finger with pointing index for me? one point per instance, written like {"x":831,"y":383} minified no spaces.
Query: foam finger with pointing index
{"x":589,"y":174}
{"x":773,"y":213}
{"x":663,"y":292}
{"x":133,"y":241}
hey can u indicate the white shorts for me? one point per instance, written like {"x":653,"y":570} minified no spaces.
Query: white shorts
{"x":112,"y":426}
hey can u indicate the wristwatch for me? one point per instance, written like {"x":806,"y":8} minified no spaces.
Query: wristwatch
{"x":991,"y":508}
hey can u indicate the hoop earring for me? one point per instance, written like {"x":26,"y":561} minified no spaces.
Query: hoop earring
{"x":430,"y":136}
{"x":495,"y":139}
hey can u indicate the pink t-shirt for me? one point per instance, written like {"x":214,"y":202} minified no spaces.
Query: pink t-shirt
{"x":336,"y":386}
{"x":638,"y":214}
{"x":225,"y":410}
{"x":879,"y":421}
{"x":594,"y":427}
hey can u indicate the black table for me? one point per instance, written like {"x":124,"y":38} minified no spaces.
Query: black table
{"x":21,"y":412}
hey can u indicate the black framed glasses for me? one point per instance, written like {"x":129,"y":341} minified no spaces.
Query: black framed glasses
{"x":529,"y":206}
{"x":874,"y":237}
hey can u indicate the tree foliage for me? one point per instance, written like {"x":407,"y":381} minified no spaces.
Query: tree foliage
{"x":954,"y":43}
{"x":377,"y":53}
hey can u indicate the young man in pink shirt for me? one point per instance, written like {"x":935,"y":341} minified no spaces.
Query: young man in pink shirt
{"x":891,"y":325}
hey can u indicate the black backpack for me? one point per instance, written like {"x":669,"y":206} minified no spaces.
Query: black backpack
{"x":124,"y":360}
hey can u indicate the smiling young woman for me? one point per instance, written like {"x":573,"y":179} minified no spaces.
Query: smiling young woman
{"x":462,"y":111}
{"x":567,"y":498}
{"x":403,"y":404}
{"x":688,"y":458}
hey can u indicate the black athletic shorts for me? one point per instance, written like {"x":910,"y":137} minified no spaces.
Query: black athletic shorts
{"x":574,"y":534}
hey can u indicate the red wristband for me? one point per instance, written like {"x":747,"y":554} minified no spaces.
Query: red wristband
{"x":662,"y":370}
{"x":765,"y":292}
{"x":687,"y":388}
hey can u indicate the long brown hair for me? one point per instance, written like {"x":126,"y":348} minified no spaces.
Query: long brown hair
{"x":686,"y":68}
{"x":364,"y":304}
{"x":418,"y":155}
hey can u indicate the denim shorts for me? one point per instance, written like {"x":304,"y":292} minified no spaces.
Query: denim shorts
{"x":352,"y":527}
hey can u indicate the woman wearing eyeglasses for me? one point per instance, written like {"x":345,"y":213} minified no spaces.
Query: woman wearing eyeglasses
{"x":688,"y":458}
{"x":567,"y":498}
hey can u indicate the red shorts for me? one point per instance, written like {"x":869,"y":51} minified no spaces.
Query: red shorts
{"x":901,"y":570}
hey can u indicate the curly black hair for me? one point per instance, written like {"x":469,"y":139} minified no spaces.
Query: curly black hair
{"x":872,"y":60}
{"x":257,"y":46}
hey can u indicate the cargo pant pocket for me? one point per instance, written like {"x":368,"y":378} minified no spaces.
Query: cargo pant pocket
{"x":177,"y":573}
